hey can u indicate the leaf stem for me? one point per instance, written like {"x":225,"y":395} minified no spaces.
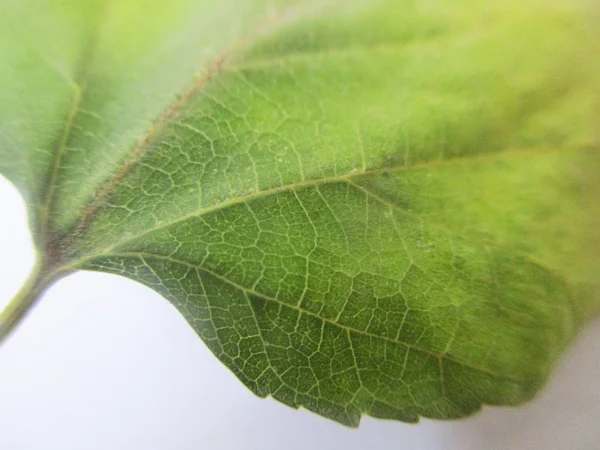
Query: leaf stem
{"x":23,"y":302}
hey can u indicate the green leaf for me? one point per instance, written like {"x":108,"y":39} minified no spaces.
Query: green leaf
{"x":362,"y":207}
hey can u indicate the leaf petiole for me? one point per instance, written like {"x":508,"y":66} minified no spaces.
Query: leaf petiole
{"x":18,"y":308}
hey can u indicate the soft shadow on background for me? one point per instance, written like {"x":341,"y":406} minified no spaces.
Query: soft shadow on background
{"x":106,"y":364}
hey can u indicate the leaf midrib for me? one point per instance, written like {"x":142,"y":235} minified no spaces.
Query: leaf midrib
{"x":218,"y":65}
{"x":214,"y":68}
{"x":142,"y":146}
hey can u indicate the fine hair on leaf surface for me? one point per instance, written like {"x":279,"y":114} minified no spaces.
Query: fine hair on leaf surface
{"x":362,"y":207}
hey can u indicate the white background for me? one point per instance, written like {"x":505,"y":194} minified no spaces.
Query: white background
{"x":103,"y":363}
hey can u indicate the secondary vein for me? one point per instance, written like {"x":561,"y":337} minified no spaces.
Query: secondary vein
{"x":349,"y":179}
{"x":79,"y":86}
{"x":144,"y":256}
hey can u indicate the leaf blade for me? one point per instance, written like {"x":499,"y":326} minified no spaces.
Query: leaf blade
{"x":298,"y":202}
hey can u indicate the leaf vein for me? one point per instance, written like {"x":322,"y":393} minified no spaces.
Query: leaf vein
{"x":347,"y":177}
{"x":146,"y":255}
